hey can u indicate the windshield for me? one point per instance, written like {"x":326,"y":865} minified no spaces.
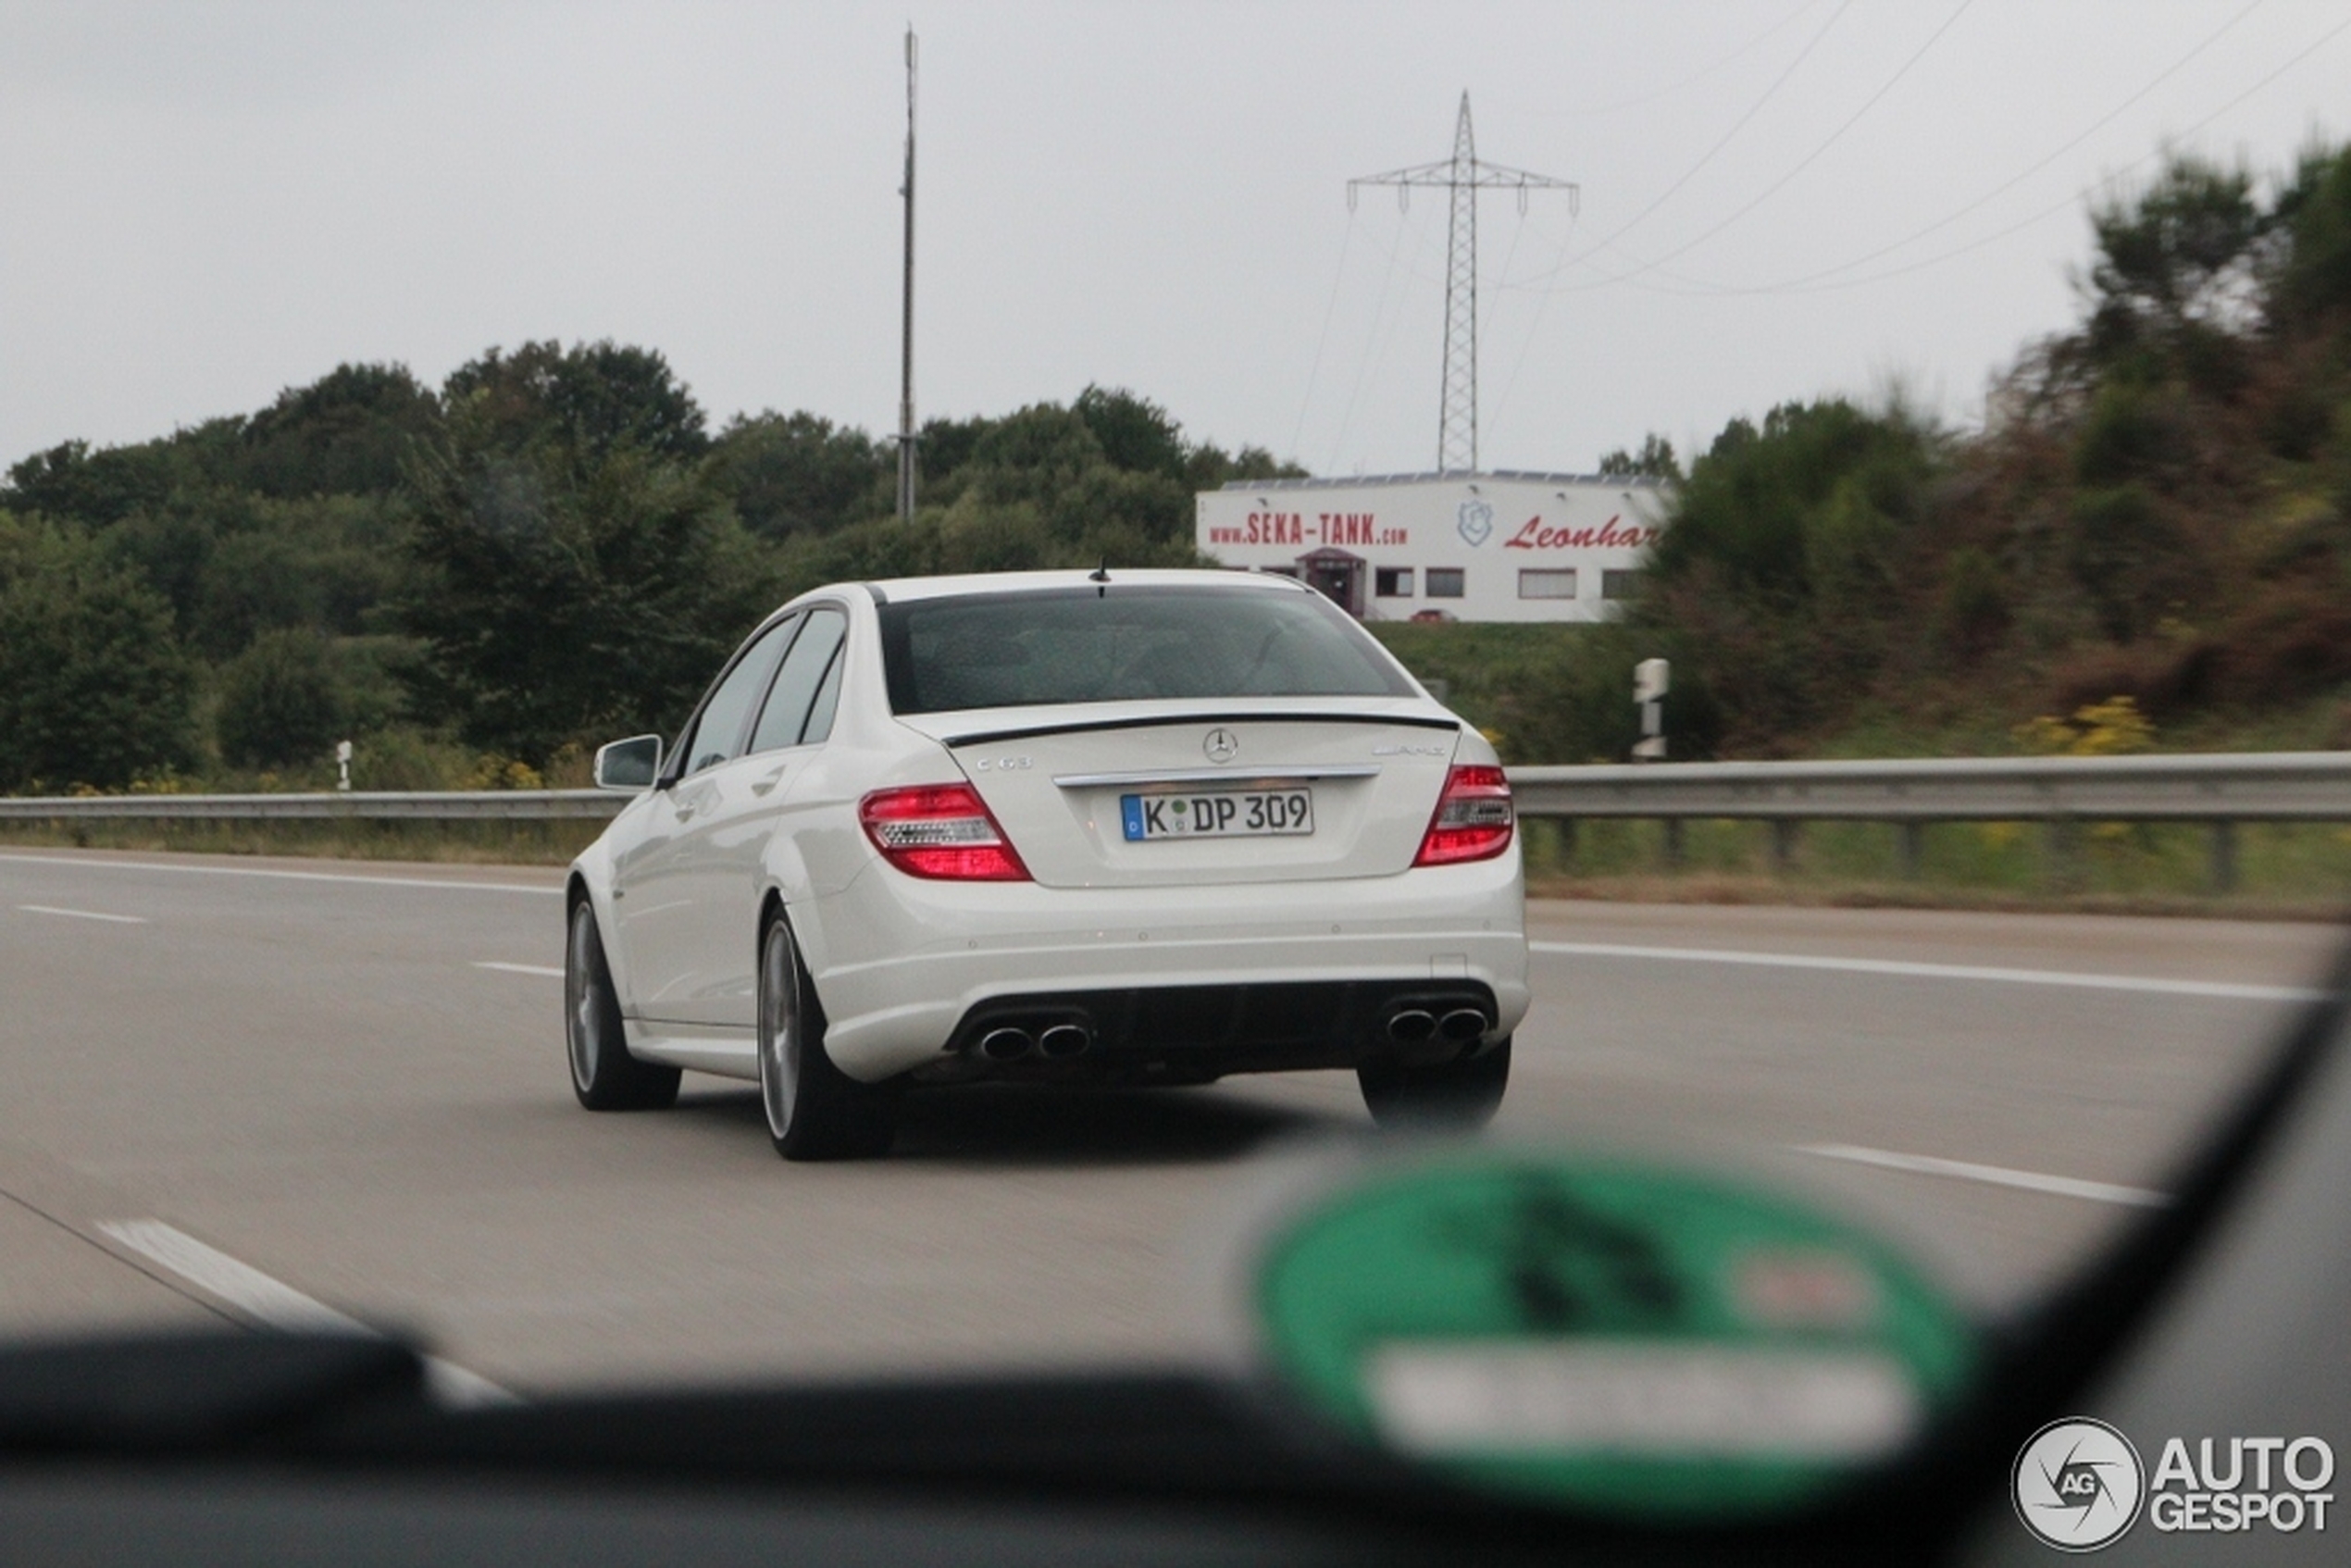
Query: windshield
{"x":1125,"y":643}
{"x":1556,"y":687}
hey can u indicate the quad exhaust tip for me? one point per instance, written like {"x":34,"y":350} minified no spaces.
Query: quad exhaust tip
{"x":1411,"y":1026}
{"x":1064,"y":1040}
{"x":1463,"y":1026}
{"x":1006,"y":1044}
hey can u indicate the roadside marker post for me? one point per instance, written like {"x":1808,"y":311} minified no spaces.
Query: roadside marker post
{"x":1651,"y":680}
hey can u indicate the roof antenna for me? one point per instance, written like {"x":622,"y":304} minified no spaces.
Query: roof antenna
{"x":1100,"y":575}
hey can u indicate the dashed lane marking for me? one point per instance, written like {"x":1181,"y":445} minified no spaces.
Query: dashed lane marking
{"x":275,"y":1303}
{"x":1997,"y":1175}
{"x":83,"y":914}
{"x":443,"y":884}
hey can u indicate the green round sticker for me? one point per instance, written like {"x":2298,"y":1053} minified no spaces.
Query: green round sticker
{"x":1644,"y":1342}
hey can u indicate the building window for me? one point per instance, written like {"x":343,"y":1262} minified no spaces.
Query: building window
{"x":1619,"y":584}
{"x":1393,"y":582}
{"x":1445,"y":582}
{"x":1555,"y":582}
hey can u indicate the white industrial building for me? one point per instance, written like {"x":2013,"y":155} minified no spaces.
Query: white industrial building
{"x":1471,"y":547}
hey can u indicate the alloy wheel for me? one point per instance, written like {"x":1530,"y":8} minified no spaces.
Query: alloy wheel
{"x":780,"y":1028}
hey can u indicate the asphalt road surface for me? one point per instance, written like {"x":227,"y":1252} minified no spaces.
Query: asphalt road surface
{"x":275,"y":1090}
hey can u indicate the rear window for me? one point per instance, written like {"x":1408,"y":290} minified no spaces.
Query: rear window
{"x":1125,"y":643}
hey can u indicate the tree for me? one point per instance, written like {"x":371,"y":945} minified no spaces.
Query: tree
{"x":946,"y":447}
{"x":1134,"y":433}
{"x":593,"y":398}
{"x":1033,"y":454}
{"x":71,"y":484}
{"x":792,"y":474}
{"x":348,"y":433}
{"x":94,"y":689}
{"x":2177,"y":262}
{"x":279,"y":702}
{"x":1211,"y":468}
{"x":569,"y":592}
{"x":1655,"y":460}
{"x":2316,"y":277}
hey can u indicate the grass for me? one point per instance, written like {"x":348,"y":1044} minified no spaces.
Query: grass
{"x":2282,"y":869}
{"x":2285,"y":871}
{"x":477,"y":843}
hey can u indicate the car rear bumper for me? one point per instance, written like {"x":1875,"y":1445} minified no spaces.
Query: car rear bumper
{"x":908,"y":968}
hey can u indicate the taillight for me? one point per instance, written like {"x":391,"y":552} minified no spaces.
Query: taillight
{"x":1473,"y":818}
{"x":939,"y":830}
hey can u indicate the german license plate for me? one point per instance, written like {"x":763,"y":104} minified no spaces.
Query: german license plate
{"x":1217,"y":813}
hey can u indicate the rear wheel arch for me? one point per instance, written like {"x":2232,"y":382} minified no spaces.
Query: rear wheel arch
{"x":813,"y":1111}
{"x":772,"y":909}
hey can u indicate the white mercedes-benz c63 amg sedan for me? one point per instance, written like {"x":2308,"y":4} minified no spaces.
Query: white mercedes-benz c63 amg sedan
{"x":1116,"y":828}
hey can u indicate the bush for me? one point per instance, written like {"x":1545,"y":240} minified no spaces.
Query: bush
{"x":93,"y":686}
{"x":1776,"y":580}
{"x":2125,"y":556}
{"x":279,"y":702}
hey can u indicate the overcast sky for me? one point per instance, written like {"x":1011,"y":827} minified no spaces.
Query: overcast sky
{"x":201,"y":204}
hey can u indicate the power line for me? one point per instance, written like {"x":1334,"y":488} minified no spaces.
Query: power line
{"x":1700,"y":285}
{"x":1807,"y":160}
{"x":2096,"y":125}
{"x":1814,"y":284}
{"x":1700,"y":74}
{"x":1542,"y":302}
{"x":1379,"y":310}
{"x":2143,"y":158}
{"x":1347,"y":238}
{"x":1736,"y":125}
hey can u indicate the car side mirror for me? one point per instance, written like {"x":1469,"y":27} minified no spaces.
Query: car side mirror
{"x":630,"y":765}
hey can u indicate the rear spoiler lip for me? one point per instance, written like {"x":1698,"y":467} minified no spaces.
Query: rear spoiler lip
{"x":1161,"y":721}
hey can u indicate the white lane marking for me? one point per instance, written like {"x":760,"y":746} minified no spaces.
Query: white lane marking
{"x":2228,"y":990}
{"x":443,"y":884}
{"x":1997,"y":1176}
{"x":276,"y":1303}
{"x":83,"y":914}
{"x":519,"y":968}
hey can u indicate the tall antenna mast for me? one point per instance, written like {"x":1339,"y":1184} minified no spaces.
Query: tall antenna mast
{"x":1461,"y":177}
{"x":906,"y":436}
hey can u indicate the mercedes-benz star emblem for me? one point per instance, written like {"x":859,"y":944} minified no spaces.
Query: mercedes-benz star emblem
{"x":1222,"y":745}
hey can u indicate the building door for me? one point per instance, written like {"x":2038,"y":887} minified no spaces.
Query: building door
{"x":1337,"y":576}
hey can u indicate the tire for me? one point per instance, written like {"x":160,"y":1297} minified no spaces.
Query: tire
{"x":1457,"y":1096}
{"x":815,"y":1110}
{"x":603,"y":1073}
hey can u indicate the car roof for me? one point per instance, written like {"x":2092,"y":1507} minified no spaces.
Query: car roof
{"x":909,"y":587}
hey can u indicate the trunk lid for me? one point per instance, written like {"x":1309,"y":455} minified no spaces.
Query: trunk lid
{"x":1061,"y":786}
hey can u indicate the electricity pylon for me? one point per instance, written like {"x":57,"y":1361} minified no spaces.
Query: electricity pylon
{"x":1462,"y":176}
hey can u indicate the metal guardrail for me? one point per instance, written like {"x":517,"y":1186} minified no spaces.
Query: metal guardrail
{"x":2239,"y":787}
{"x":449,"y":805}
{"x":2221,"y":789}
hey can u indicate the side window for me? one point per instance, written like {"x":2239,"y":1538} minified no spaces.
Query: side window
{"x":719,"y":732}
{"x":786,"y":714}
